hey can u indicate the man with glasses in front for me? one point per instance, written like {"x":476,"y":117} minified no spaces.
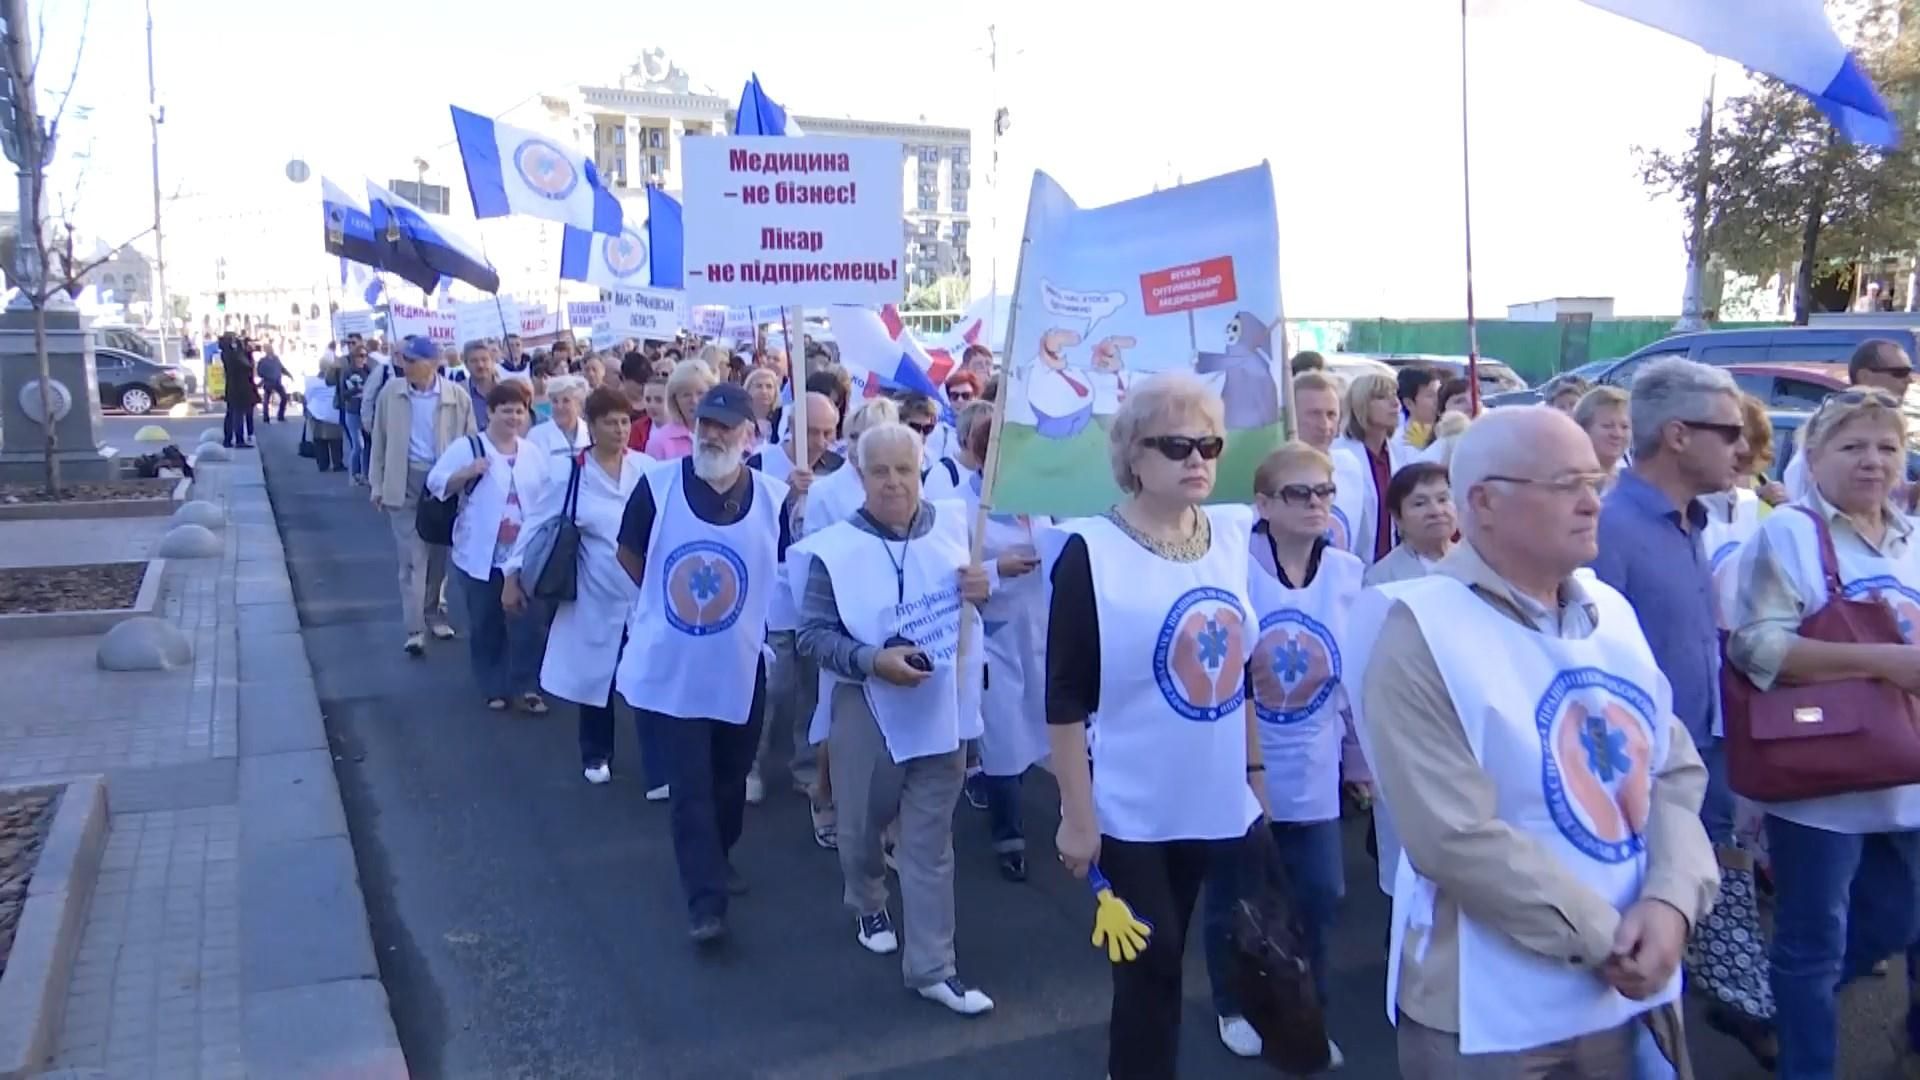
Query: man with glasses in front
{"x":1523,"y":738}
{"x":1687,"y":440}
{"x":1878,"y":364}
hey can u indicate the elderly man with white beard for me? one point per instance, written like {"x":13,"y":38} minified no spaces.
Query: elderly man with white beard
{"x":701,"y":538}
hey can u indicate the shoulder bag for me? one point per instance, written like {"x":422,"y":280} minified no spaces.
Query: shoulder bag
{"x":551,"y":565}
{"x":1811,"y":740}
{"x":433,"y":517}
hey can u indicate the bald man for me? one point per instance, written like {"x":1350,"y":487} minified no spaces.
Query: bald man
{"x":792,"y":682}
{"x":1523,"y":741}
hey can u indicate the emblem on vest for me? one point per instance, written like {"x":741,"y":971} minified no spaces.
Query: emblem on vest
{"x":1296,"y":665}
{"x":1596,"y":741}
{"x":1340,"y":532}
{"x":1200,"y":657}
{"x":1720,"y":554}
{"x":545,"y":168}
{"x":706,"y":585}
{"x":1901,"y":599}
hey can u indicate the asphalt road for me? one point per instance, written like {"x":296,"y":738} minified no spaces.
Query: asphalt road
{"x":530,"y":925}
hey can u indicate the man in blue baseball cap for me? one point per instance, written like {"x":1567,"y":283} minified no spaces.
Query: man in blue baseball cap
{"x":414,"y":419}
{"x":702,"y":540}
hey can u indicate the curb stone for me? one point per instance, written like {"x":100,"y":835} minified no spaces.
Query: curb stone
{"x":33,"y":992}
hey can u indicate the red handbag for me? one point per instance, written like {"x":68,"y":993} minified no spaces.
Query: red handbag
{"x":1810,"y":740}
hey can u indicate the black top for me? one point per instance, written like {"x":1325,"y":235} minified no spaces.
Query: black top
{"x":1313,"y":561}
{"x":829,"y":461}
{"x":722,"y":508}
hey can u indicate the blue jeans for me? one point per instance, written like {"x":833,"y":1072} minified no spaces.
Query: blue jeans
{"x":596,"y":734}
{"x":1003,"y":813}
{"x":707,"y":763}
{"x":1842,"y":903}
{"x":356,"y":443}
{"x":1716,"y":810}
{"x":505,"y":649}
{"x":1316,"y":882}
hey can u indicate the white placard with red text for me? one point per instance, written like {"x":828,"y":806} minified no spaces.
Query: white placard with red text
{"x":408,"y":321}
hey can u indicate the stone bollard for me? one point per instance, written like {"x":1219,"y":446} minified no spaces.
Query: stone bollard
{"x":189,"y":542}
{"x":211,"y":435}
{"x":144,"y":643}
{"x":200,"y":512}
{"x":214,"y":452}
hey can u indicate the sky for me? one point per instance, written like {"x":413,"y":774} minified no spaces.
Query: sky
{"x":1355,"y":104}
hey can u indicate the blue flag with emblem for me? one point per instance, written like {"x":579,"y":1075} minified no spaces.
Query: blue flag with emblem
{"x":512,"y":170}
{"x":645,"y":254}
{"x":350,"y":234}
{"x":759,"y":114}
{"x":403,"y":228}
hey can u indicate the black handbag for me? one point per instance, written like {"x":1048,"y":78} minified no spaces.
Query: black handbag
{"x":557,"y":577}
{"x":306,"y":439}
{"x":433,"y":517}
{"x":1268,"y":970}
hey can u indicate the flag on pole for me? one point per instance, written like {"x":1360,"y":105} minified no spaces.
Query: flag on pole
{"x":372,"y":295}
{"x":881,"y":355}
{"x":351,"y":234}
{"x":514,"y":171}
{"x":645,"y":254}
{"x":1791,"y":40}
{"x":759,"y":114}
{"x":403,"y":227}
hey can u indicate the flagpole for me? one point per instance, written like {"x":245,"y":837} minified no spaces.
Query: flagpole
{"x":1466,"y":191}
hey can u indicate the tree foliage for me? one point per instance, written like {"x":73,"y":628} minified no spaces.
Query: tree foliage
{"x":943,"y":294}
{"x":1784,"y":190}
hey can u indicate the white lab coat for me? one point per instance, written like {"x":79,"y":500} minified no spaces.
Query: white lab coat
{"x":547,"y":436}
{"x":478,"y":526}
{"x":583,"y":644}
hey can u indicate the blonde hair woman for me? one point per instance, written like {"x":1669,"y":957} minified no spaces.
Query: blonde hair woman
{"x":1602,"y":413}
{"x":689,"y":382}
{"x":1149,"y":625}
{"x":1365,"y":457}
{"x":1845,"y":865}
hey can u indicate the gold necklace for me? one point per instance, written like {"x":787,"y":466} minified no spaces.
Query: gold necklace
{"x":1190,"y":548}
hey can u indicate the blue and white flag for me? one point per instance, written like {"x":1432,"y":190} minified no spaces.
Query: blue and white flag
{"x":512,"y":170}
{"x":1791,"y":40}
{"x":374,"y":292}
{"x":403,"y":228}
{"x":350,"y":234}
{"x":646,"y":253}
{"x":759,"y":114}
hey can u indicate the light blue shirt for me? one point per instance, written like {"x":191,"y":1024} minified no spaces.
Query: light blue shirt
{"x":420,"y":441}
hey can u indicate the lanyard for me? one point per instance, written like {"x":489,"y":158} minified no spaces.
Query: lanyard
{"x":900,"y":564}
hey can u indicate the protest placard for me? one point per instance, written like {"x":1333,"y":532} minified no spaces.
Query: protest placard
{"x":409,"y":321}
{"x":581,"y":315}
{"x":1090,"y":323}
{"x":352,"y":322}
{"x":708,"y":320}
{"x":810,"y":221}
{"x":656,"y":314}
{"x":478,"y":320}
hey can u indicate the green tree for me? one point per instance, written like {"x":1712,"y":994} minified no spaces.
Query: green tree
{"x":944,"y":294}
{"x":1785,"y":193}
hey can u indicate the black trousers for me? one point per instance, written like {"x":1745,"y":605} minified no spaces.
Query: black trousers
{"x":707,"y":763}
{"x":237,"y":427}
{"x":267,"y":392}
{"x":1161,"y":882}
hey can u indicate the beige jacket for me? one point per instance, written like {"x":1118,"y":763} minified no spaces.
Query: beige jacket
{"x":392,"y":416}
{"x":1421,"y":758}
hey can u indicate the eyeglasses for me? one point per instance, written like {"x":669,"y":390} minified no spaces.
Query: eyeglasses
{"x":1180,"y":447}
{"x":1901,"y":372}
{"x":1302,"y":494}
{"x":1729,"y":433}
{"x":924,"y":427}
{"x":960,"y":397}
{"x":1861,"y":396}
{"x":1566,"y":485}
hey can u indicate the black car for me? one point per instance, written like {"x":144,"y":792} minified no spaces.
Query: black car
{"x":134,"y":384}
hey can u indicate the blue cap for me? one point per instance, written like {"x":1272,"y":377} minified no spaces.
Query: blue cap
{"x":725,"y":404}
{"x":421,"y":348}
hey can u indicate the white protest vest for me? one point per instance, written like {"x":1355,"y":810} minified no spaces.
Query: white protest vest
{"x":1791,"y":537}
{"x":695,"y":630}
{"x":782,"y":612}
{"x":1298,"y":693}
{"x":1014,"y":705}
{"x":1170,"y":741}
{"x":1364,"y":620}
{"x":1569,"y":731}
{"x":922,"y":605}
{"x":1732,"y":517}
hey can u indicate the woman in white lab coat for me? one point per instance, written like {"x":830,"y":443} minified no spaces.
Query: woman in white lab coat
{"x":583,"y":645}
{"x":496,"y":475}
{"x":565,"y":434}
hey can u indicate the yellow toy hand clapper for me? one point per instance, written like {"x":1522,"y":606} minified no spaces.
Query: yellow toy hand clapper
{"x":1115,"y":927}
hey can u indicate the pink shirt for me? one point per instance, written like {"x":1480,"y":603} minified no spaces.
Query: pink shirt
{"x":669,"y":441}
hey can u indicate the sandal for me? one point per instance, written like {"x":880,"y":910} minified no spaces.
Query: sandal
{"x":497,"y":704}
{"x":826,"y":829}
{"x":534,"y":704}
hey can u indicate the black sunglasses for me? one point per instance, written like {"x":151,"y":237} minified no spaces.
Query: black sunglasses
{"x":924,"y":427}
{"x":1900,"y":372}
{"x":1180,"y":447}
{"x":1302,"y":494}
{"x":1730,"y":433}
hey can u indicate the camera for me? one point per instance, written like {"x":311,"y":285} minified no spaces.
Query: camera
{"x":916,"y":660}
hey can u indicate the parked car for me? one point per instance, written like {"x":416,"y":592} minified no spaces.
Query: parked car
{"x":135,"y":385}
{"x":1495,"y":376}
{"x":1786,"y":431}
{"x":130,"y":339}
{"x":1590,"y":371}
{"x":1791,"y":386}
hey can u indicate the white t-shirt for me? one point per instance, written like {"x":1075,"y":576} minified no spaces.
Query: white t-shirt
{"x":422,"y":404}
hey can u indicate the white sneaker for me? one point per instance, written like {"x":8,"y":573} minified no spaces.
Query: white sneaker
{"x":442,"y":631}
{"x":1239,"y":1036}
{"x":658,"y":794}
{"x":957,"y":996}
{"x":1335,"y":1058}
{"x":876,"y":933}
{"x":599,"y":774}
{"x":756,"y":791}
{"x":416,"y":644}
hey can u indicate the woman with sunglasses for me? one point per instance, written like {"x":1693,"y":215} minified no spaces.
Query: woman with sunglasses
{"x":1846,"y":867}
{"x":1302,"y":588}
{"x":1149,"y":626}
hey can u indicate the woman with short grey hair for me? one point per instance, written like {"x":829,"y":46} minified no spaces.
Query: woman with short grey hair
{"x":565,"y":434}
{"x":906,"y":701}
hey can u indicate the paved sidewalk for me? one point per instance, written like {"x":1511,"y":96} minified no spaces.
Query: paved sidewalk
{"x":228,"y":935}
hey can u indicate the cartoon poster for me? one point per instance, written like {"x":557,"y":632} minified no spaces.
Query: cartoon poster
{"x":1186,"y":279}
